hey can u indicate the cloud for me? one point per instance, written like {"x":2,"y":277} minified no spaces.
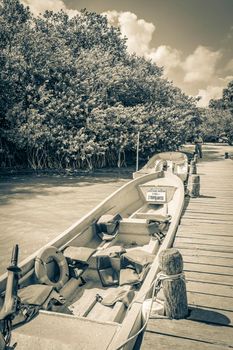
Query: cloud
{"x":229,"y":66}
{"x":138,"y":32}
{"x":40,"y":6}
{"x":214,"y":91}
{"x":207,"y":94}
{"x":139,"y":35}
{"x":112,"y":17}
{"x":201,"y":65}
{"x":165,"y":56}
{"x":230,"y":33}
{"x":198,"y":67}
{"x":226,"y":79}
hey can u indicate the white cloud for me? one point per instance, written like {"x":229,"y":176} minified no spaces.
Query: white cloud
{"x":40,"y":6}
{"x":230,"y":34}
{"x":112,"y":17}
{"x":201,"y":65}
{"x":139,"y":34}
{"x":138,"y":31}
{"x":226,"y":79}
{"x":207,"y":94}
{"x":213,"y":91}
{"x":165,"y":56}
{"x":229,"y":66}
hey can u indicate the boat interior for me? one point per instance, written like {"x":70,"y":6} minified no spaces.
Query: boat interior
{"x":104,"y":258}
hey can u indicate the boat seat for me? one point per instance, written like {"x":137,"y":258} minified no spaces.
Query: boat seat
{"x":153,"y":217}
{"x":77,"y":258}
{"x":90,"y":305}
{"x":112,"y":304}
{"x":107,"y":226}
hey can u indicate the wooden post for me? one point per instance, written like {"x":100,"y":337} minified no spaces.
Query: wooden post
{"x":194,"y":186}
{"x":226,"y":155}
{"x":193,"y":167}
{"x":174,"y":290}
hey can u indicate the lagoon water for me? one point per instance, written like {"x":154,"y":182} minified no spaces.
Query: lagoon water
{"x":35,"y":209}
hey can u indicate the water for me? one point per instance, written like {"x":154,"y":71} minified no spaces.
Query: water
{"x":35,"y":209}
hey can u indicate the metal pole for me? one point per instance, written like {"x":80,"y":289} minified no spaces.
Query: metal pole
{"x":137,"y":158}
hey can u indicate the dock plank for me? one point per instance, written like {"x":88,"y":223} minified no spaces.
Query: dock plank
{"x":208,"y":260}
{"x":200,"y":231}
{"x":204,"y":227}
{"x":157,"y":341}
{"x":213,"y":302}
{"x":220,"y":270}
{"x":211,"y":221}
{"x":214,"y":237}
{"x":191,"y":330}
{"x":202,"y":240}
{"x":209,"y":247}
{"x":208,"y":277}
{"x":210,"y":289}
{"x":199,"y":252}
{"x":208,"y":213}
{"x":212,"y":316}
{"x":204,"y":208}
{"x":210,"y":218}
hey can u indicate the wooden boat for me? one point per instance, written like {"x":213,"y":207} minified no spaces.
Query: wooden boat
{"x":176,"y":162}
{"x":147,"y":211}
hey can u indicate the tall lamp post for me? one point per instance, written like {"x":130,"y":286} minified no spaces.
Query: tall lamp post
{"x":137,"y":154}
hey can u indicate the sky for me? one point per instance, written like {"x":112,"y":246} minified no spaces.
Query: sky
{"x":191,"y":39}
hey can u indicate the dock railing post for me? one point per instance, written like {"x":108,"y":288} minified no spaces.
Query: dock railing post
{"x":193,"y":167}
{"x":194,"y":186}
{"x":173,"y":281}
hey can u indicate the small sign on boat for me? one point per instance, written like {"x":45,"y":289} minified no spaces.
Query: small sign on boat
{"x":156,"y":195}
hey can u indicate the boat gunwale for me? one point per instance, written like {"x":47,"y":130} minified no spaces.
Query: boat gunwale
{"x":150,"y":166}
{"x":182,"y":155}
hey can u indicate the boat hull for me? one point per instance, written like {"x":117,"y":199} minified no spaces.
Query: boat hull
{"x":133,"y":203}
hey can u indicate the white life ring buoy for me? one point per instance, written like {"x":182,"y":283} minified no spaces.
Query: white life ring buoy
{"x":43,"y":258}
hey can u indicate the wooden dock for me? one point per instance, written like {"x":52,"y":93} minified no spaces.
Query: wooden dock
{"x":205,"y":239}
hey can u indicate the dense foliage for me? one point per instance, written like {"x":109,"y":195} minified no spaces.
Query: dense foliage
{"x":217,"y":125}
{"x":72,"y":97}
{"x":218,"y":119}
{"x":226,"y":102}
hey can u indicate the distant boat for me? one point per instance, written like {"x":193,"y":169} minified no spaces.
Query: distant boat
{"x":103,"y":263}
{"x":176,"y":162}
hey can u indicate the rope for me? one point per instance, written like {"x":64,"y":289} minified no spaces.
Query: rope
{"x":164,"y":277}
{"x":157,"y":285}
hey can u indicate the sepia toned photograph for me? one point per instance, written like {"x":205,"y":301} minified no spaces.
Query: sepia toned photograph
{"x":116,"y":174}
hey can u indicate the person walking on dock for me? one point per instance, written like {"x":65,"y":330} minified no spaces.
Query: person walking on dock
{"x":198,"y":145}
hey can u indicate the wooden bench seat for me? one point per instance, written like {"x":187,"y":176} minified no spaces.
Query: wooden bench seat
{"x":88,"y":306}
